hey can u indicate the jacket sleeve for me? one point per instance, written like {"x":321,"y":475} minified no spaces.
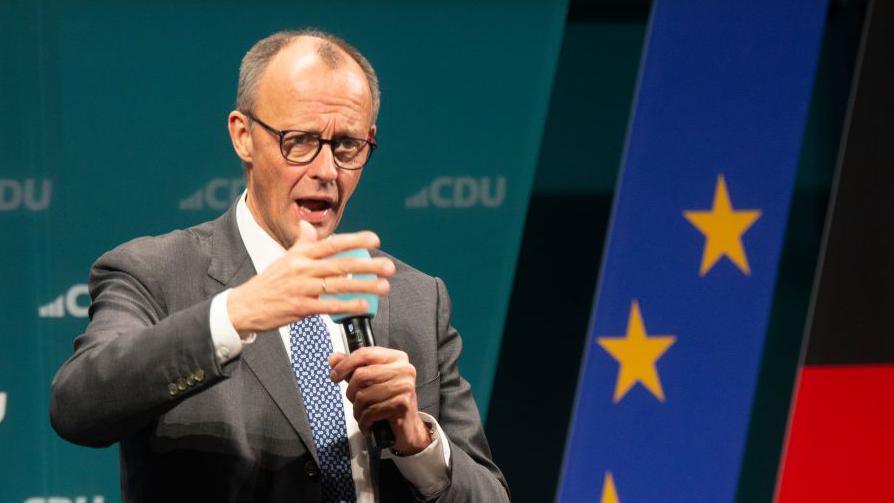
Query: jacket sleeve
{"x":473,"y":474}
{"x":135,"y":361}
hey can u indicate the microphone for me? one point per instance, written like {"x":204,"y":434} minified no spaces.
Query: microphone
{"x":359,"y":334}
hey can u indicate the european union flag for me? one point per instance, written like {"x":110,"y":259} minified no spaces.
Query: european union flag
{"x":678,"y":324}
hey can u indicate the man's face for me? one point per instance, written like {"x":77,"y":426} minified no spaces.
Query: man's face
{"x":298,"y":91}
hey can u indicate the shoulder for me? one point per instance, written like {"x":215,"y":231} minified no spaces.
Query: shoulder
{"x":158,"y":253}
{"x":416,"y":294}
{"x":170,"y":268}
{"x":407,"y":277}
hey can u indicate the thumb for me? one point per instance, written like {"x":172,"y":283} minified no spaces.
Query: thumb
{"x":306,"y":232}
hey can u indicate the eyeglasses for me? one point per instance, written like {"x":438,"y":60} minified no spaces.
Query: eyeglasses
{"x":302,"y":147}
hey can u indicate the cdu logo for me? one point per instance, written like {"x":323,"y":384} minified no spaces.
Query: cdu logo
{"x":67,"y":304}
{"x":2,"y":405}
{"x":33,"y":194}
{"x":217,"y":194}
{"x":460,"y":192}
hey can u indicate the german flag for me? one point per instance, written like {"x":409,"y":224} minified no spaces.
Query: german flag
{"x":840,"y":442}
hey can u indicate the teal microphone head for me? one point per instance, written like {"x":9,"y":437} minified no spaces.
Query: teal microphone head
{"x":372,"y":300}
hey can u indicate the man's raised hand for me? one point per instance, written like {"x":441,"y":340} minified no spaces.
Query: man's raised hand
{"x":290,"y":288}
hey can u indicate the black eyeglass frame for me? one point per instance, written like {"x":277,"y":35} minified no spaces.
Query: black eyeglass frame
{"x":370,"y":141}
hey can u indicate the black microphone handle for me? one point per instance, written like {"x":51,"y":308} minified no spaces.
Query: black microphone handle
{"x":359,"y":334}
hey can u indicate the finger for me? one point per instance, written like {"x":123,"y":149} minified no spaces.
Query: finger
{"x":333,"y":306}
{"x":380,"y":393}
{"x":361,"y":358}
{"x":306,"y":232}
{"x":368,"y":356}
{"x":335,"y":285}
{"x":394,"y":408}
{"x":338,"y":243}
{"x":380,"y":266}
{"x":334,"y":358}
{"x":370,"y":375}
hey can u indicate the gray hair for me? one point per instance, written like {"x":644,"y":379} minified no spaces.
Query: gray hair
{"x":258,"y":57}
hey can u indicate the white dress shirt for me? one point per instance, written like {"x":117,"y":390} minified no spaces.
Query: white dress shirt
{"x":426,"y":470}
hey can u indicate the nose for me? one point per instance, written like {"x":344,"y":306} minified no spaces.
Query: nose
{"x":323,"y":166}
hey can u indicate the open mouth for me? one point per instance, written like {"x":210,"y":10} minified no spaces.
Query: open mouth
{"x":314,"y":210}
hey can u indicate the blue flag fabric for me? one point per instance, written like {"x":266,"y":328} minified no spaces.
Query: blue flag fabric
{"x":669,"y":372}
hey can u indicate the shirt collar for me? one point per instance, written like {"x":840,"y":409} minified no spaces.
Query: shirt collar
{"x":262,"y":248}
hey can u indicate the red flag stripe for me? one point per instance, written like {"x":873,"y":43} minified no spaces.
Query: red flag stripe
{"x":841,"y":438}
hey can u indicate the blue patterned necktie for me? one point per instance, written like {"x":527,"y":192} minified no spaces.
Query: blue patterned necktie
{"x":310,"y":349}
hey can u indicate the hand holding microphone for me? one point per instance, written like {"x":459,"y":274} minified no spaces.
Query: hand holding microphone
{"x":382,"y":381}
{"x":359,"y":334}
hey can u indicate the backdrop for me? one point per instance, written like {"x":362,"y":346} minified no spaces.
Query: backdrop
{"x":114,"y":127}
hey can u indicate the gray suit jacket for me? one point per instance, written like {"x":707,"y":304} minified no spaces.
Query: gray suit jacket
{"x":145,"y":375}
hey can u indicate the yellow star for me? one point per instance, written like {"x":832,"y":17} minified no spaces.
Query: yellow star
{"x":609,"y":493}
{"x":723,"y":228}
{"x":636,"y":354}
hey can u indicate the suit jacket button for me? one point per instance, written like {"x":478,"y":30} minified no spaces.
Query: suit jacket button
{"x":181,"y":384}
{"x":190,"y":380}
{"x":310,"y":468}
{"x":200,"y":375}
{"x":172,"y":389}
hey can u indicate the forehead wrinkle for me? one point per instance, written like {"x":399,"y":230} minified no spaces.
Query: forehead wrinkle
{"x":341,"y":84}
{"x":316,"y":112}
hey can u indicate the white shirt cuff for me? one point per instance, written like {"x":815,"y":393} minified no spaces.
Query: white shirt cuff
{"x":428,"y":470}
{"x":227,"y":343}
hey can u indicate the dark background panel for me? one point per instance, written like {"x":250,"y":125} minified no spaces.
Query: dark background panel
{"x":803,"y":239}
{"x":801,"y":249}
{"x":851,"y":316}
{"x":566,"y":225}
{"x":537,"y":373}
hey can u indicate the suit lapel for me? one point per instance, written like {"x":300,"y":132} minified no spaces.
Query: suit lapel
{"x":380,"y":323}
{"x":267,"y":358}
{"x":380,"y":331}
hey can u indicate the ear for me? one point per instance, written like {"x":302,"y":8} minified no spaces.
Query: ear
{"x":240,"y":135}
{"x":372,"y":131}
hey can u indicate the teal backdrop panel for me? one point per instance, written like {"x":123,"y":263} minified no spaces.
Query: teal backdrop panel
{"x":115,"y":127}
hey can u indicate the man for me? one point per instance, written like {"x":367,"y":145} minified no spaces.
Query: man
{"x":210,"y":355}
